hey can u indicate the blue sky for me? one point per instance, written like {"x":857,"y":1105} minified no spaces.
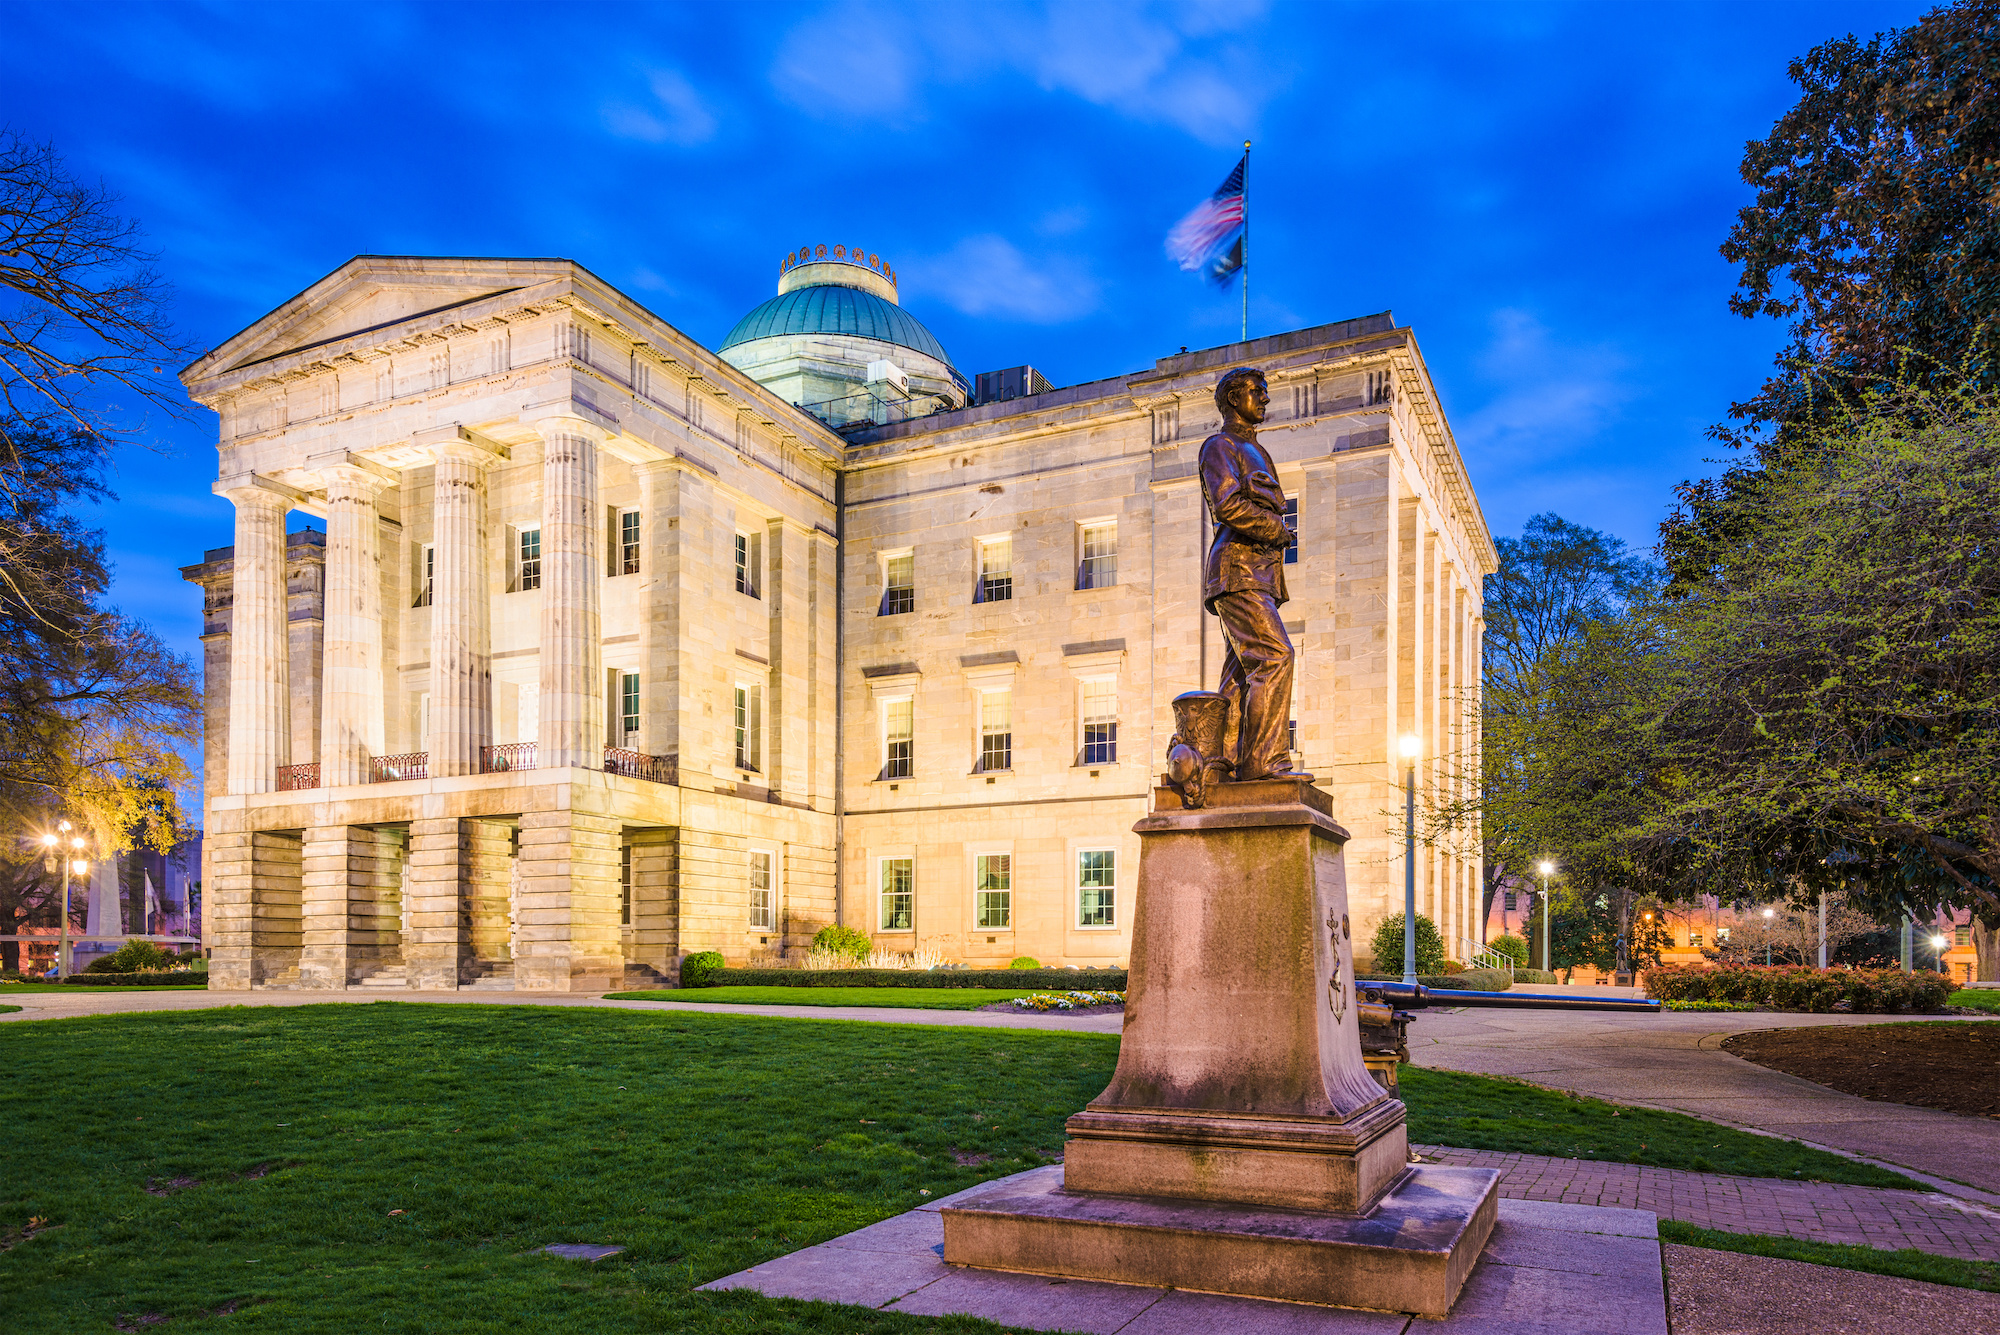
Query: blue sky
{"x":1538,"y":190}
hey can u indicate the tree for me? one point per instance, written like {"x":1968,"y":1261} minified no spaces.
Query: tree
{"x":1387,"y":946}
{"x":1876,"y":226}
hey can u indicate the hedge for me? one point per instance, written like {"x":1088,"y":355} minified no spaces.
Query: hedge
{"x":1801,"y":988}
{"x":178,"y":978}
{"x":1036,"y":980}
{"x":1536,"y":976}
{"x":1472,"y":980}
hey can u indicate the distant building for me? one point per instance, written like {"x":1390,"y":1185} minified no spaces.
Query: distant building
{"x":615,"y":648}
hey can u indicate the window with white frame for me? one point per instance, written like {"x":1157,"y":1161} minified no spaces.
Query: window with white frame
{"x":996,"y":729}
{"x":748,"y":721}
{"x":1721,"y":934}
{"x":1097,"y":567}
{"x":749,"y":553}
{"x":898,"y":737}
{"x":993,"y":906}
{"x":528,"y":559}
{"x":763,"y":889}
{"x":996,"y":571}
{"x":1100,"y":721}
{"x":628,"y":542}
{"x":1097,"y":887}
{"x":899,"y":584}
{"x":899,"y":894}
{"x":1292,"y":527}
{"x":628,"y":706}
{"x":1694,"y":939}
{"x":426,"y":575}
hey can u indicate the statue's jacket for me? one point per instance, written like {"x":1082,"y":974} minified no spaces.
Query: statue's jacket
{"x":1240,"y":483}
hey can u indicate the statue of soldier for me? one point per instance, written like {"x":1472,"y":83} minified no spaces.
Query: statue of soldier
{"x":1243,"y":581}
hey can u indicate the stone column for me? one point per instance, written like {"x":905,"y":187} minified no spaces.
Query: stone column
{"x":345,"y":870}
{"x":660,"y":608}
{"x":438,"y":946}
{"x":572,"y":703}
{"x":566,"y":912}
{"x":461,"y":720}
{"x":352,"y":700}
{"x":259,"y":660}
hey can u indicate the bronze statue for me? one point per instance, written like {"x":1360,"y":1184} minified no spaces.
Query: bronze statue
{"x":1243,"y":582}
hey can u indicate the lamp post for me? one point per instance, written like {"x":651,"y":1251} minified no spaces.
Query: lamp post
{"x":73,"y":862}
{"x":1938,"y":943}
{"x":1545,"y":868}
{"x":1767,"y":937}
{"x":1410,"y":746}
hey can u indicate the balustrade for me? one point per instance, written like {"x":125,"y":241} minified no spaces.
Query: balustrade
{"x":507,"y":756}
{"x":297,"y":778}
{"x":639,"y":765}
{"x":409,"y":765}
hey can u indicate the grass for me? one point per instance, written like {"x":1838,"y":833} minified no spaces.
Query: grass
{"x":1485,"y":1113}
{"x":1905,"y":1264}
{"x":902,"y":998}
{"x":1985,"y":999}
{"x":6,"y":1010}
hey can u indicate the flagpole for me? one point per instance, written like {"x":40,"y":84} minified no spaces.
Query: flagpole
{"x":1246,"y":240}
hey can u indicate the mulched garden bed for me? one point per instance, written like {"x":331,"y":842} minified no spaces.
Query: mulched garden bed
{"x":1012,"y":1009}
{"x":1953,"y":1066}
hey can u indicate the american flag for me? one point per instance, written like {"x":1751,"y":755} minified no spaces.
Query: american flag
{"x":1210,"y":239}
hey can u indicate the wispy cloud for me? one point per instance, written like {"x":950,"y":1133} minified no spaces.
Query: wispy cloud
{"x":1551,"y":397}
{"x":989,"y":276}
{"x":675,"y":115}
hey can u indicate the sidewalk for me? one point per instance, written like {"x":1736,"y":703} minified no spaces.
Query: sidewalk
{"x":1817,"y":1211}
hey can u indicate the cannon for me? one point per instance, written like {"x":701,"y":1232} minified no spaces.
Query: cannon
{"x":1385,"y":1015}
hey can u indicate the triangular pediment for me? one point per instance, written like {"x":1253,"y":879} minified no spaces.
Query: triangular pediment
{"x":372,"y":294}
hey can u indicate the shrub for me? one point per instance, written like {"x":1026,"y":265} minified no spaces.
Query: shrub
{"x":1388,"y":946}
{"x":175,"y":978}
{"x":1513,"y":947}
{"x":700,"y":968}
{"x":1025,"y":962}
{"x":1453,"y":966}
{"x":1800,"y":988}
{"x":1536,"y":976}
{"x":1052,"y":980}
{"x":1470,"y":980}
{"x":840,"y":939}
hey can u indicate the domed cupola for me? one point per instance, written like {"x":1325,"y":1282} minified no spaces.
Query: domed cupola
{"x":836,"y":341}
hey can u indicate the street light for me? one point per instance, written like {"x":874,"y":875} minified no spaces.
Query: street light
{"x":1767,"y":940}
{"x":1938,"y":943}
{"x":1410,"y":746}
{"x":1545,"y":868}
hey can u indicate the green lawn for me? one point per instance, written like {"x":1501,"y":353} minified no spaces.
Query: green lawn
{"x":7,"y":1010}
{"x":1483,"y":1113}
{"x":704,"y":1143}
{"x":1906,"y":1264}
{"x":1985,"y":999}
{"x":903,"y":998}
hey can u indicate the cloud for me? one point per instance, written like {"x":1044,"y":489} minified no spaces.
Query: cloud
{"x":852,"y":60}
{"x":1553,"y":398}
{"x":677,"y":114}
{"x":1063,"y":222}
{"x":988,"y":276}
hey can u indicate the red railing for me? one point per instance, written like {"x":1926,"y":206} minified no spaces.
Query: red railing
{"x":639,"y":765}
{"x":296,"y":778}
{"x":409,"y":765}
{"x":508,"y":756}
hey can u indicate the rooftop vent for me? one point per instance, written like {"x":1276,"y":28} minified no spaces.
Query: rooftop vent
{"x":1016,"y":382}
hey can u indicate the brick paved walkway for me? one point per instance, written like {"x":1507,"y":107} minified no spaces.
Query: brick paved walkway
{"x":1818,"y":1211}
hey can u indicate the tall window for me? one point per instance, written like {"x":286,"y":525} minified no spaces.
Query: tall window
{"x":625,"y":885}
{"x":898,"y":731}
{"x":1100,"y":722}
{"x":628,"y":542}
{"x":1694,"y":939}
{"x":748,"y":551}
{"x":994,"y":875}
{"x":749,"y":725}
{"x":1099,"y":567}
{"x":1961,"y":935}
{"x":996,"y":570}
{"x":899,"y":894}
{"x":899,"y":584}
{"x":628,"y":705}
{"x":1508,"y":901}
{"x":996,"y":730}
{"x":763,"y":897}
{"x":426,"y":575}
{"x":1292,"y":527}
{"x":1097,"y":888}
{"x":530,"y":557}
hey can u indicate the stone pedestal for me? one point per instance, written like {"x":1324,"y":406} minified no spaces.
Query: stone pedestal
{"x":1242,"y":1146}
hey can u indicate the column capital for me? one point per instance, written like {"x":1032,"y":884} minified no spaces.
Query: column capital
{"x":570,"y":416}
{"x":352,"y":471}
{"x":455,"y":443}
{"x":255,"y":489}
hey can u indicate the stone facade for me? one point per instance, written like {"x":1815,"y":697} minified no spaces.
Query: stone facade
{"x":601,"y":658}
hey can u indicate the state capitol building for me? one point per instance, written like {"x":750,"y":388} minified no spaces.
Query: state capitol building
{"x":616,"y":648}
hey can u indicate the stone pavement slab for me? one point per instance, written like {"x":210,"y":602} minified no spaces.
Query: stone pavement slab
{"x":1548,"y":1267}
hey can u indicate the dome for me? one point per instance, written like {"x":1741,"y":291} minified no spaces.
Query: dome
{"x":828,"y":309}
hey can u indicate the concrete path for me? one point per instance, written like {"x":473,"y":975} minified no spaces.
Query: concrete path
{"x":1726,"y":1293}
{"x":1674,"y":1061}
{"x":1546,"y":1268}
{"x":1817,"y":1211}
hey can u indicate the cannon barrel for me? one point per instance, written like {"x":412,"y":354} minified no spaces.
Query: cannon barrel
{"x":1415,"y":996}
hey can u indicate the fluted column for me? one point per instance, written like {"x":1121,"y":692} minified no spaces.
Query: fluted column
{"x":351,"y":687}
{"x":572,"y":702}
{"x":461,"y":720}
{"x":259,"y":675}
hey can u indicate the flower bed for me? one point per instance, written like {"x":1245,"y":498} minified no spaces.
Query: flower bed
{"x":1052,"y":979}
{"x":1798,"y":988}
{"x":1068,"y":1001}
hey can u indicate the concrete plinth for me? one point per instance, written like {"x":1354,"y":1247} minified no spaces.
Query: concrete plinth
{"x":1411,"y":1253}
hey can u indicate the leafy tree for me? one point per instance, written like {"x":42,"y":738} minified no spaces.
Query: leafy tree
{"x":1513,"y":947}
{"x":1388,"y":946}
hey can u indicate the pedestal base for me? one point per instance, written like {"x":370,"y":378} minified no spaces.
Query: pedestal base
{"x":1411,"y":1253}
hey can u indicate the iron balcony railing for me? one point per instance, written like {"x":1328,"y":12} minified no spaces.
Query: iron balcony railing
{"x":507,"y":756}
{"x":297,"y":778}
{"x":409,"y":765}
{"x":639,"y":765}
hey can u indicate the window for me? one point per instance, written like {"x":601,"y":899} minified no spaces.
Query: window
{"x":749,"y":726}
{"x":749,"y":553}
{"x":1100,"y":722}
{"x":625,"y":885}
{"x":1721,"y":935}
{"x":628,"y":705}
{"x":899,"y":894}
{"x":899,"y":584}
{"x":426,"y":575}
{"x":994,"y":905}
{"x":1962,"y":935}
{"x":530,"y":558}
{"x":1694,"y":940}
{"x":1507,"y":902}
{"x":1292,"y":527}
{"x":628,"y":542}
{"x":1379,"y":387}
{"x":763,"y":898}
{"x":996,"y":570}
{"x":1097,"y":888}
{"x":898,"y":727}
{"x":1099,"y":567}
{"x":996,"y":730}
